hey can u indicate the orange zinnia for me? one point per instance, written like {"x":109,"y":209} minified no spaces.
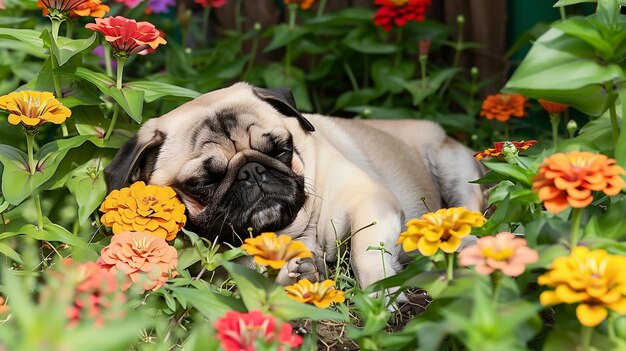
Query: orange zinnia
{"x":503,"y":106}
{"x":568,"y":179}
{"x":144,"y":208}
{"x":553,"y":108}
{"x":304,"y":4}
{"x":82,"y":8}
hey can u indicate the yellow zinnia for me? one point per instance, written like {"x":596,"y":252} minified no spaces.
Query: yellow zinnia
{"x":273,"y":251}
{"x":440,"y":230}
{"x":319,"y":294}
{"x":33,"y":108}
{"x":144,"y":208}
{"x":594,"y":279}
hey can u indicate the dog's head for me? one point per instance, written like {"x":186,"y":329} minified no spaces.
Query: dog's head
{"x":232,"y":155}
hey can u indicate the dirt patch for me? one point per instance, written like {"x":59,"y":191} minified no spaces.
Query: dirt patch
{"x":331,"y":335}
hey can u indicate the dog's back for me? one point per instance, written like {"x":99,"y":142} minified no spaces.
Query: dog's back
{"x":409,"y":157}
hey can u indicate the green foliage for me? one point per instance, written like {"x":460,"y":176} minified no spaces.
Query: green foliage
{"x":335,"y":63}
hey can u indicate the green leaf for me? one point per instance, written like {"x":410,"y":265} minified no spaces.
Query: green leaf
{"x":157,"y":90}
{"x":65,"y":48}
{"x":620,"y":147}
{"x":87,"y":185}
{"x":514,"y":172}
{"x":584,"y":29}
{"x":17,"y":182}
{"x":564,"y":69}
{"x":100,"y":80}
{"x":275,"y":76}
{"x":251,"y":285}
{"x":31,"y":38}
{"x":390,"y":78}
{"x":10,"y":253}
{"x":365,"y":40}
{"x":211,"y":305}
{"x":283,"y":35}
{"x":131,"y":100}
{"x":422,"y":89}
{"x":51,"y":232}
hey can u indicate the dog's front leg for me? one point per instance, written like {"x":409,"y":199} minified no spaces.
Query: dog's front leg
{"x":382,"y":209}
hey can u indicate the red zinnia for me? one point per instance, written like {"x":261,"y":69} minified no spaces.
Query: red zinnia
{"x":496,"y":151}
{"x":243,"y":331}
{"x":127,"y":36}
{"x":399,"y":12}
{"x":212,"y":3}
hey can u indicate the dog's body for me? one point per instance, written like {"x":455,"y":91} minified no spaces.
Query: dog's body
{"x":238,"y":158}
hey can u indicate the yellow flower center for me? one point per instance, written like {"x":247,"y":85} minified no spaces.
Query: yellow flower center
{"x":150,"y":200}
{"x":498,"y":255}
{"x":400,"y":2}
{"x":505,"y":98}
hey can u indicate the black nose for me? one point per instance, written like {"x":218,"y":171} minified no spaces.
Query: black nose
{"x":252,"y":171}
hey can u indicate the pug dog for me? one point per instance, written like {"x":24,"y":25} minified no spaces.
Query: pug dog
{"x":244,"y":157}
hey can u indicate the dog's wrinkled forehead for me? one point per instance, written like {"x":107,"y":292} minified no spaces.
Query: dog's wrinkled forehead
{"x":215,"y":126}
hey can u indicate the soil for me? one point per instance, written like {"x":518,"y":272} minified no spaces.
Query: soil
{"x":332,"y":334}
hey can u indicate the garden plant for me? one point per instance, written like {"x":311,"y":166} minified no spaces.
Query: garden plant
{"x":82,"y":268}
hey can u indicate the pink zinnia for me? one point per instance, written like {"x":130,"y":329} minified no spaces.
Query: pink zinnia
{"x":503,"y":252}
{"x":96,"y":295}
{"x":144,"y":258}
{"x":127,"y":36}
{"x":244,"y":331}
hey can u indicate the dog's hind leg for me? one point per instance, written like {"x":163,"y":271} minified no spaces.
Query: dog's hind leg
{"x":453,"y":168}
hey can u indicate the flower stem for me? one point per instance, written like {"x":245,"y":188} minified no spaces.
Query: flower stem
{"x":118,"y":84}
{"x":205,"y":23}
{"x":423,"y":64}
{"x":450,"y":266}
{"x":576,"y":217}
{"x":321,"y":7}
{"x":350,"y":73}
{"x":107,"y":60}
{"x":562,"y":13}
{"x":253,"y":53}
{"x":506,"y":130}
{"x":398,"y":47}
{"x":609,"y":92}
{"x":585,"y":338}
{"x":56,"y":25}
{"x":30,"y":138}
{"x":238,"y":6}
{"x":37,"y":199}
{"x":293,"y":14}
{"x":120,"y":72}
{"x":555,"y":118}
{"x":313,"y":335}
{"x":69,"y":29}
{"x":495,"y":280}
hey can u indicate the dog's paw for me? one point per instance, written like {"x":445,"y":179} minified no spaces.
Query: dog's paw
{"x":304,"y":268}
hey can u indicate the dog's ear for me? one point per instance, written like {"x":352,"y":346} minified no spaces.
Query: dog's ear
{"x":134,"y":161}
{"x":282,"y":100}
